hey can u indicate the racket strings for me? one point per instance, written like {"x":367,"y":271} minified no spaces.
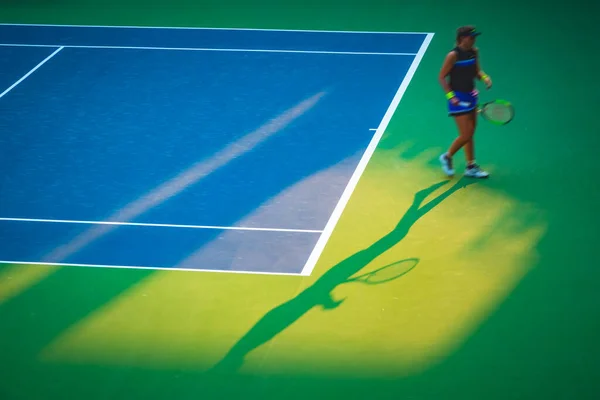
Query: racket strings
{"x":498,"y":112}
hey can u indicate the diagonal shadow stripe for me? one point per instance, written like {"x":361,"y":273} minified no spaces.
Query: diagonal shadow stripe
{"x":185,"y":179}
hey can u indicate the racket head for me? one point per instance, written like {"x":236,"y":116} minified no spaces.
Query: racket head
{"x":388,"y":272}
{"x":498,"y":112}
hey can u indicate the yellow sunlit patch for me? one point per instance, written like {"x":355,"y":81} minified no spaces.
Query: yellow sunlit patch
{"x":469,"y":252}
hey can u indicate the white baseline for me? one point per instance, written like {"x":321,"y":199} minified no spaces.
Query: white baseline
{"x":207,"y":28}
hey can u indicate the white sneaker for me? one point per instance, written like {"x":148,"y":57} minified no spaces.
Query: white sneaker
{"x":474,"y":171}
{"x":447,"y":165}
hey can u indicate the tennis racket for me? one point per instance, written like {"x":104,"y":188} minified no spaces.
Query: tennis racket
{"x":498,"y":112}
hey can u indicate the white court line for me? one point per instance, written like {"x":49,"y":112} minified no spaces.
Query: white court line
{"x":215,"y":29}
{"x":32,"y":71}
{"x":211,"y":49}
{"x":337,"y":212}
{"x":56,"y":264}
{"x":238,"y":228}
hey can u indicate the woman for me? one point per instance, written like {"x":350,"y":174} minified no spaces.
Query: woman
{"x":461,"y":65}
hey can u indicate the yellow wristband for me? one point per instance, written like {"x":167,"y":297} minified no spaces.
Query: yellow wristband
{"x":450,"y":95}
{"x":484,"y":77}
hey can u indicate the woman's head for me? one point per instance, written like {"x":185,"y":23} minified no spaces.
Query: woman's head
{"x":465,"y":36}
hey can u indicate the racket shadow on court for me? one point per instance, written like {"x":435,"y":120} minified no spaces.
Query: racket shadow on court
{"x":319,"y":294}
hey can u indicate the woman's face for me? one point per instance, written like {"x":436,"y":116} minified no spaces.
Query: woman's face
{"x":468,"y":41}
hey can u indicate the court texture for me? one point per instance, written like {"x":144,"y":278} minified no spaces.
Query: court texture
{"x":244,"y":200}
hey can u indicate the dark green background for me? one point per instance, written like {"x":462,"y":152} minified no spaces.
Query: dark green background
{"x":542,"y":342}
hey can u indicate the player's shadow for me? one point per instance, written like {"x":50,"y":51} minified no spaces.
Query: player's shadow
{"x":319,"y":294}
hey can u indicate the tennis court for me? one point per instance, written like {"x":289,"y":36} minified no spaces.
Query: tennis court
{"x":203,"y":166}
{"x":244,"y":200}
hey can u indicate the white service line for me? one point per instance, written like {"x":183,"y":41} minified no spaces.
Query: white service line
{"x":117,"y":223}
{"x":32,"y":71}
{"x":337,"y":212}
{"x":210,"y":49}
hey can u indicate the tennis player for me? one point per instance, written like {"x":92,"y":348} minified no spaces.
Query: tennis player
{"x":461,"y":66}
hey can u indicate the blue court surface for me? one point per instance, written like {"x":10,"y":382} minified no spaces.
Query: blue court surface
{"x":205,"y":149}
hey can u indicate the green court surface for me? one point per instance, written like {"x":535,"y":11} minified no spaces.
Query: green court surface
{"x":497,"y":299}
